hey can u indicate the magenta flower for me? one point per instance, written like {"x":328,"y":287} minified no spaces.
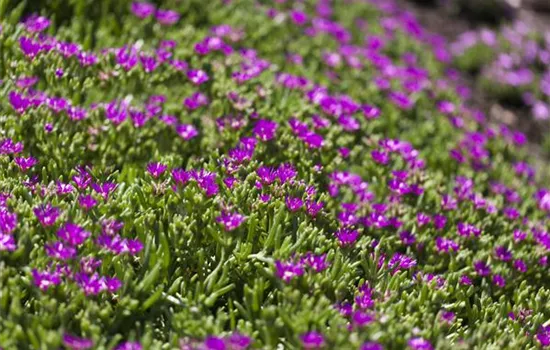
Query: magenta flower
{"x":195,"y":101}
{"x":187,"y":131}
{"x":239,"y":341}
{"x":230,"y":221}
{"x":316,"y":262}
{"x":371,"y":346}
{"x":104,"y":189}
{"x":312,"y":340}
{"x":361,"y":318}
{"x":346,"y":236}
{"x":19,"y":102}
{"x":465,"y":280}
{"x":293,"y":203}
{"x":313,"y":208}
{"x":76,"y":343}
{"x":87,"y":202}
{"x":482,"y":269}
{"x":47,"y":214}
{"x":36,"y":24}
{"x":118,"y":245}
{"x":543,"y":335}
{"x":499,"y":281}
{"x":8,"y":221}
{"x":129,"y":346}
{"x":197,"y":76}
{"x":167,"y":17}
{"x":59,"y":250}
{"x":445,"y":245}
{"x":63,"y":188}
{"x":265,"y":129}
{"x":370,"y":112}
{"x":156,"y":169}
{"x":419,"y":344}
{"x":82,"y":180}
{"x":447,"y":316}
{"x":45,"y":280}
{"x":25,"y":163}
{"x":142,"y":9}
{"x":298,"y":17}
{"x":7,"y":243}
{"x":73,"y":234}
{"x":288,"y":270}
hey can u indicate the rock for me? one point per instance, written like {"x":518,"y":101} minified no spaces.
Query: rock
{"x":538,"y":5}
{"x":492,"y":10}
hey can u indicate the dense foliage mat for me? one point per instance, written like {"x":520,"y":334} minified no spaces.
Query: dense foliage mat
{"x":237,"y":174}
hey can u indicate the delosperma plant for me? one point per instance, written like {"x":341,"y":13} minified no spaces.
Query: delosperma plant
{"x":513,"y":64}
{"x":238,"y":174}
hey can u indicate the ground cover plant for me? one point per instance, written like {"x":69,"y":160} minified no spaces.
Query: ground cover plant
{"x":511,"y":65}
{"x":239,"y":174}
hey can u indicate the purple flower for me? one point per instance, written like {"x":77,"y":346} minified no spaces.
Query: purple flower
{"x":87,"y":201}
{"x":401,"y":100}
{"x":407,"y":238}
{"x":104,"y":189}
{"x":265,"y":129}
{"x":543,"y":335}
{"x":447,"y":316}
{"x":73,"y":234}
{"x":25,"y":163}
{"x":298,"y":17}
{"x":370,"y":112}
{"x":214,"y":343}
{"x":36,"y":24}
{"x":142,"y":9}
{"x":346,"y":236}
{"x":63,"y":188}
{"x":47,"y":214}
{"x":76,"y":343}
{"x":520,"y":265}
{"x":118,"y":245}
{"x":313,"y":208}
{"x":59,"y":250}
{"x":312,"y":340}
{"x":445,"y":245}
{"x":371,"y":346}
{"x":129,"y":345}
{"x":503,"y":254}
{"x":380,"y":156}
{"x":465,"y":280}
{"x":239,"y":341}
{"x":167,"y":17}
{"x":187,"y":131}
{"x":8,"y":221}
{"x":29,"y":47}
{"x":89,"y":264}
{"x":419,"y":344}
{"x":197,"y":76}
{"x":195,"y":101}
{"x":45,"y":280}
{"x":361,"y":318}
{"x":439,"y":221}
{"x":293,"y":203}
{"x":482,"y":269}
{"x":156,"y":169}
{"x":499,"y":281}
{"x":316,"y":262}
{"x":401,"y":262}
{"x":230,"y":221}
{"x":7,"y":243}
{"x":82,"y":180}
{"x":288,"y":270}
